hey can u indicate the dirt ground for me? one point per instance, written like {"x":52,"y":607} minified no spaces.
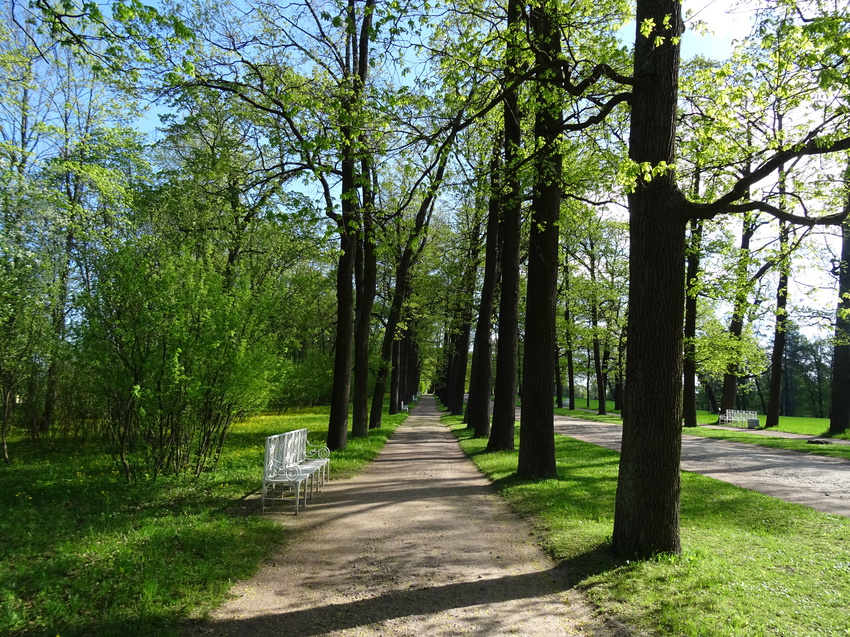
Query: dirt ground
{"x":417,"y":545}
{"x":420,"y":545}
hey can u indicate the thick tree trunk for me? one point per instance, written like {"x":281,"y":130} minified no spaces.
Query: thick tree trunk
{"x":8,"y":397}
{"x":338,"y":421}
{"x":461,"y":358}
{"x":571,"y":372}
{"x":395,"y":398}
{"x":779,"y":335}
{"x":504,"y":404}
{"x":729,"y":395}
{"x":357,"y":70}
{"x":599,"y":375}
{"x":711,"y":397}
{"x":839,"y":414}
{"x":559,"y":381}
{"x":480,"y":380}
{"x":689,"y":393}
{"x":646,"y":518}
{"x":537,"y":426}
{"x":366,"y":278}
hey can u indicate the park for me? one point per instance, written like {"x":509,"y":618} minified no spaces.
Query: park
{"x":395,"y":318}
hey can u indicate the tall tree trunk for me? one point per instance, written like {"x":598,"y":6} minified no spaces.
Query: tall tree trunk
{"x":8,"y":397}
{"x":598,"y":366}
{"x":646,"y":518}
{"x":461,"y":358}
{"x":689,"y":393}
{"x":537,"y":425}
{"x":413,"y":248}
{"x":711,"y":397}
{"x":356,"y":70}
{"x":395,"y":398}
{"x":568,"y":320}
{"x":504,"y":403}
{"x":779,"y":333}
{"x":366,"y":276}
{"x":559,"y":381}
{"x":839,"y":413}
{"x":480,"y":380}
{"x":729,"y":395}
{"x":338,"y":421}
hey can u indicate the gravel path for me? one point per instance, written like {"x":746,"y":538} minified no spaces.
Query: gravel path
{"x":417,"y":545}
{"x":815,"y":481}
{"x":420,"y":544}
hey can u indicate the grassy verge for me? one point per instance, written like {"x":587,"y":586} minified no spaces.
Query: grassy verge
{"x":85,"y":553}
{"x":832,"y":451}
{"x":805,"y":426}
{"x":751,"y":566}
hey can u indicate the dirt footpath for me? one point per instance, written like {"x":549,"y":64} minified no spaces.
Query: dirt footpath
{"x":816,"y":481}
{"x":417,"y":545}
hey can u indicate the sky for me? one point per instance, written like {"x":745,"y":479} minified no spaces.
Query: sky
{"x":728,"y":20}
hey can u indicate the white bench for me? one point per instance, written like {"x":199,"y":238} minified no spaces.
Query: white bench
{"x":740,"y":417}
{"x":290,"y":461}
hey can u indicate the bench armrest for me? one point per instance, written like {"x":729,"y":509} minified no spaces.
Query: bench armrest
{"x":317,"y":451}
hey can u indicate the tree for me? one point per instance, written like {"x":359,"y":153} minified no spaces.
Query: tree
{"x":480,"y":378}
{"x":839,"y":413}
{"x":507,"y":347}
{"x":647,"y":503}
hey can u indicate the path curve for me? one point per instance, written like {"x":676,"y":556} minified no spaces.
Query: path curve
{"x":816,"y":481}
{"x":417,"y":545}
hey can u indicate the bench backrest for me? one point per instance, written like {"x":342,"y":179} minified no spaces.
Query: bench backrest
{"x":737,"y":414}
{"x":285,"y":450}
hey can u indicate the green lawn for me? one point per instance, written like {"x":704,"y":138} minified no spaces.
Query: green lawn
{"x":806,"y":426}
{"x":751,"y":565}
{"x":85,"y":553}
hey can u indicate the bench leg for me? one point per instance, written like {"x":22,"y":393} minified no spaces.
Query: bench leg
{"x":297,"y":489}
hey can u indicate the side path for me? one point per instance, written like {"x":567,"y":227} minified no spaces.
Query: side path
{"x":419,"y":544}
{"x":816,"y":481}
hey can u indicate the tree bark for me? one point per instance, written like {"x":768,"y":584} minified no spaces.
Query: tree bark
{"x":461,"y":358}
{"x":504,"y":403}
{"x":537,"y":425}
{"x":571,"y":374}
{"x":366,"y":276}
{"x":839,"y":414}
{"x":646,"y":518}
{"x":338,"y":421}
{"x":777,"y":357}
{"x":729,"y":394}
{"x":480,"y":380}
{"x":689,"y":392}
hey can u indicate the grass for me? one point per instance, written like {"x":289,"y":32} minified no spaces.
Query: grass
{"x":832,"y":451}
{"x":787,"y":424}
{"x":85,"y":553}
{"x":751,"y":565}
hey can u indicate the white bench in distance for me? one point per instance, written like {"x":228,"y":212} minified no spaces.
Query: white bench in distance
{"x":740,"y":417}
{"x":290,"y":461}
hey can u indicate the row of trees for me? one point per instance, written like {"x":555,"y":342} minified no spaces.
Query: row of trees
{"x":518,"y":127}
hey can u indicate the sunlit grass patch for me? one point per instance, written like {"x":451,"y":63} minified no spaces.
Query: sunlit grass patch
{"x":86,"y":553}
{"x":791,"y":444}
{"x":751,"y":565}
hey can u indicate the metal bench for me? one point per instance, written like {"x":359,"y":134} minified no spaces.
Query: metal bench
{"x":291,"y":460}
{"x":739,"y":417}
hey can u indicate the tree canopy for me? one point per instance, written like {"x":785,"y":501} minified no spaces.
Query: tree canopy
{"x":361,"y":200}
